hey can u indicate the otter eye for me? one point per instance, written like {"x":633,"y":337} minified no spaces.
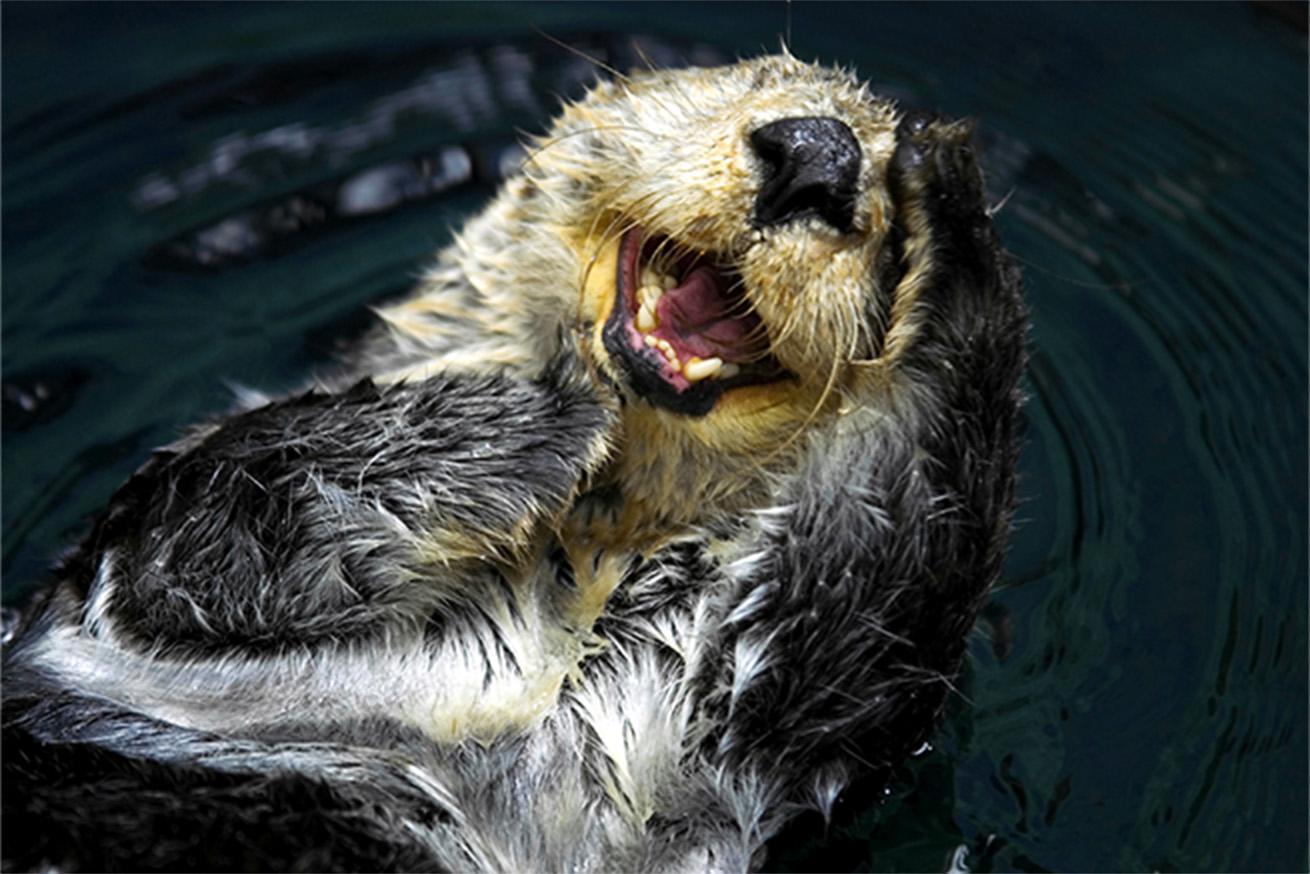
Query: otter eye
{"x":812,"y":167}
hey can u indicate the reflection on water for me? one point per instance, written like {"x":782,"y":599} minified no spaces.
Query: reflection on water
{"x":196,"y":197}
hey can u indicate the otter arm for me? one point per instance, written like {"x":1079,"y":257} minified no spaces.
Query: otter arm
{"x":844,"y":635}
{"x":330,"y":516}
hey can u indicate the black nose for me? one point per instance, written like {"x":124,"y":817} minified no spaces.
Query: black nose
{"x":812,"y":167}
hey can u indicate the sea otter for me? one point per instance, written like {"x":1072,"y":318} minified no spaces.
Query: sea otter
{"x":656,"y":515}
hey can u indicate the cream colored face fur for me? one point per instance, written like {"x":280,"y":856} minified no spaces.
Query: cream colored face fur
{"x":669,"y":152}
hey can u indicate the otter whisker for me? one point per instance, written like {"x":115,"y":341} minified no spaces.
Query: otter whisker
{"x":617,"y":227}
{"x":836,"y":368}
{"x":591,"y":59}
{"x":544,"y":145}
{"x":620,"y":224}
{"x":624,"y":80}
{"x":650,"y":67}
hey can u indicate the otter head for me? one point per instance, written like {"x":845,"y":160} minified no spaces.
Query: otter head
{"x":733,"y":256}
{"x":730,"y":237}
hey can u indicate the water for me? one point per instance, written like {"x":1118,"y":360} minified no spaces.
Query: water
{"x":198,"y":196}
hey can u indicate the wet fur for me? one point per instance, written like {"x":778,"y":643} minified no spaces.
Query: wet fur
{"x":469,"y":603}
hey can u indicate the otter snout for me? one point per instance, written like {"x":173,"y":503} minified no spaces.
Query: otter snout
{"x":812,"y":167}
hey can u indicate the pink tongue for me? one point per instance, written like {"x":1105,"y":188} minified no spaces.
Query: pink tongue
{"x":703,"y":321}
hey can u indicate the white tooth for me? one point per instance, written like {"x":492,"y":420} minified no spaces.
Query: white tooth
{"x":649,"y":277}
{"x":728,"y":371}
{"x":646,"y":321}
{"x":701,"y":368}
{"x":668,"y":282}
{"x":650,"y":294}
{"x":650,"y":341}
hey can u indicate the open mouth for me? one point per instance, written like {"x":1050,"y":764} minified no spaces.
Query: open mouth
{"x":683,"y":327}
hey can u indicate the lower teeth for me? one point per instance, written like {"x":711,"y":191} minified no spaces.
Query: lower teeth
{"x":697,"y":369}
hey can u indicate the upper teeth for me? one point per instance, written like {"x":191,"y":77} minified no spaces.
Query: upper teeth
{"x":653,"y":285}
{"x":647,"y":321}
{"x":652,"y":288}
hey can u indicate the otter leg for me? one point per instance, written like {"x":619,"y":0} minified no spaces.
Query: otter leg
{"x":330,"y":516}
{"x":846,"y":627}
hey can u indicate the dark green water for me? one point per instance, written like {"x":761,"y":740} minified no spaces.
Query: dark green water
{"x":1137,"y":696}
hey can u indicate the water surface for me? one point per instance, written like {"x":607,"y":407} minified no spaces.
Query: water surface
{"x":199,"y":196}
